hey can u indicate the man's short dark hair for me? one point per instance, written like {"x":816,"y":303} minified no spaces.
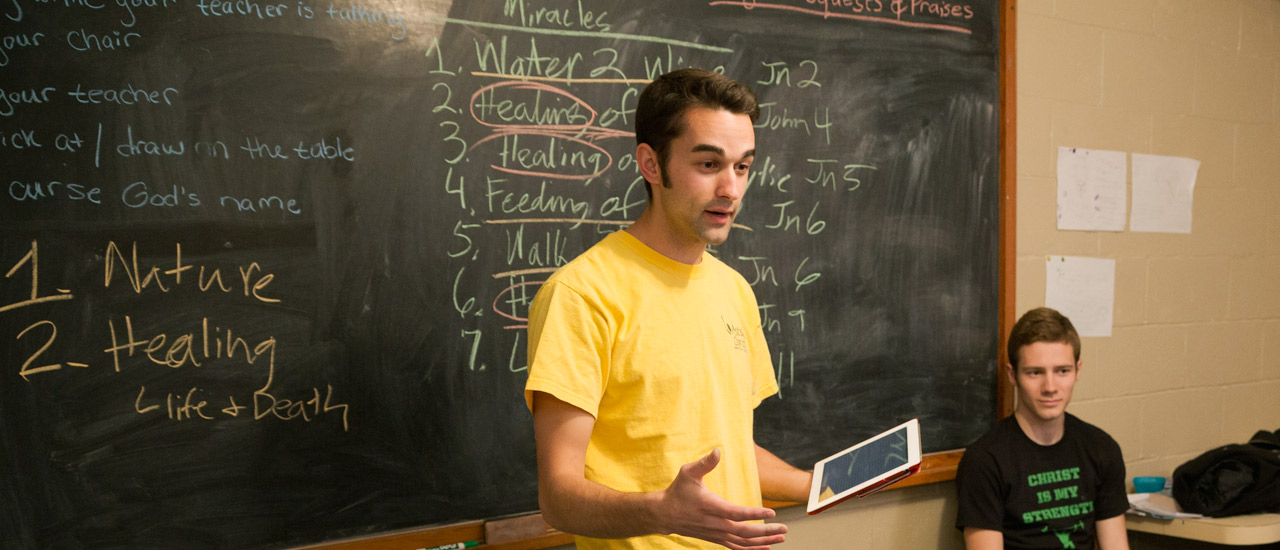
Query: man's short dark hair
{"x":663,"y":103}
{"x":1042,"y":325}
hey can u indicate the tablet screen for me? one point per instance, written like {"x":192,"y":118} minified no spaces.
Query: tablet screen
{"x":867,"y":467}
{"x":860,"y":465}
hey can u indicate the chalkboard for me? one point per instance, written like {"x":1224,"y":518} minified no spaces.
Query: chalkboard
{"x":267,"y":264}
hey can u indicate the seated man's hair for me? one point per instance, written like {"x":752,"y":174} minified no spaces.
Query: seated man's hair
{"x":1042,"y":325}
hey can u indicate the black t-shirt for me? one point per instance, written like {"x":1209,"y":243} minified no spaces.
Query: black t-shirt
{"x":1039,"y":496}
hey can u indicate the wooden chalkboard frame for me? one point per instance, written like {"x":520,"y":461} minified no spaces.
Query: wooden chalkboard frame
{"x":530,"y":532}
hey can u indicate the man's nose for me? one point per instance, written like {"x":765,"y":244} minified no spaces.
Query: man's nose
{"x":1050,"y":385}
{"x":730,"y":185}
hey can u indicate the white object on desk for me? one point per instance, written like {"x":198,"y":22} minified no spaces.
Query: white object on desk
{"x":1160,"y":505}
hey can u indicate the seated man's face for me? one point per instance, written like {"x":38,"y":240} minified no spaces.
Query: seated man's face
{"x":1046,"y":374}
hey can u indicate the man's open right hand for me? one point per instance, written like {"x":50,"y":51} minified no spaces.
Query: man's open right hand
{"x":688,"y":508}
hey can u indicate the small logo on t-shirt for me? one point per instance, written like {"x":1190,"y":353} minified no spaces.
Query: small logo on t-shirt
{"x":1064,"y":537}
{"x":738,"y":335}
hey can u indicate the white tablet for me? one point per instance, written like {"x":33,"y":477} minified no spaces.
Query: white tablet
{"x":866,"y":467}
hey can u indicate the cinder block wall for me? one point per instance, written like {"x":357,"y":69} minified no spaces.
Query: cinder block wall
{"x":1194,"y":360}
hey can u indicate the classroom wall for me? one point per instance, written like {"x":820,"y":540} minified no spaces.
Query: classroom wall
{"x":1194,"y":359}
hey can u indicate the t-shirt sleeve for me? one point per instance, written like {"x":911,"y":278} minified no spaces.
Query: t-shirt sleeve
{"x":568,"y":339}
{"x":763,"y":381}
{"x":978,"y":490}
{"x":1111,"y":500}
{"x":762,"y":368}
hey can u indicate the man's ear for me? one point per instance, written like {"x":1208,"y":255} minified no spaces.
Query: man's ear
{"x":1008,"y":371}
{"x":650,"y":168}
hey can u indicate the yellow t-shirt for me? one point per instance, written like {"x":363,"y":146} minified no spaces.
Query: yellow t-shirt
{"x":671,"y":360}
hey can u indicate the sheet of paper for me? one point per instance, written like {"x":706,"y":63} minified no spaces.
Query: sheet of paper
{"x":1091,"y":189}
{"x":1160,"y":505}
{"x":1083,"y":289}
{"x":1162,"y":188}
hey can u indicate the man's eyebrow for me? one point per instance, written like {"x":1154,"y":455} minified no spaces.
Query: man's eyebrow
{"x":707,"y":147}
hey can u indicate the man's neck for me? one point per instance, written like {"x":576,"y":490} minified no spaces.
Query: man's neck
{"x":649,"y":231}
{"x":1043,"y":432}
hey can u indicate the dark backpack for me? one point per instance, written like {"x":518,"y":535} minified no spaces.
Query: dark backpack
{"x":1232,"y":479}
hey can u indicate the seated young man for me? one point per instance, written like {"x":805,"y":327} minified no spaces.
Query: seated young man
{"x":1042,"y":478}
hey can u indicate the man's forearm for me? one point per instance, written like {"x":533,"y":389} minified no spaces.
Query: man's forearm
{"x":589,"y":509}
{"x":570,"y":502}
{"x":983,"y":539}
{"x":1112,"y":534}
{"x":781,"y":481}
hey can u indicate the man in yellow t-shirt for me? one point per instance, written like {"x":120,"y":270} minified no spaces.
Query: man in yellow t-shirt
{"x":646,"y":354}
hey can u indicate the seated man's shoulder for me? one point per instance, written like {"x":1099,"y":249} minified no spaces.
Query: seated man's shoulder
{"x":1089,"y":431}
{"x":1001,"y":434}
{"x":991,"y":449}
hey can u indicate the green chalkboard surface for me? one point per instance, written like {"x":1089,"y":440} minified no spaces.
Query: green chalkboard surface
{"x":267,"y":263}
